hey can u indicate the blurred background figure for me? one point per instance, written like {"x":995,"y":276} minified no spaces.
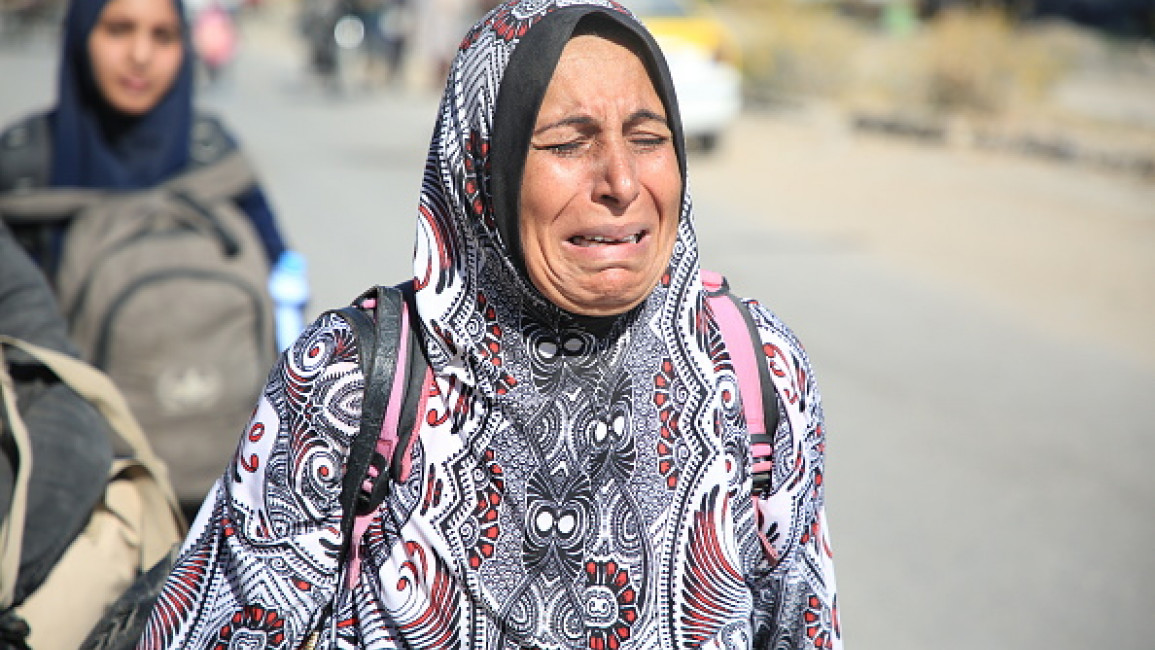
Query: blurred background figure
{"x":21,"y":19}
{"x":215,"y":38}
{"x":439,"y":26}
{"x":318,"y":22}
{"x":356,"y":43}
{"x":390,"y":38}
{"x":124,"y":183}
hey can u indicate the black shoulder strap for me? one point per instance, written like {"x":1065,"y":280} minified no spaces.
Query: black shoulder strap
{"x":25,"y":154}
{"x":415,"y":370}
{"x":770,"y":398}
{"x":26,"y":149}
{"x":380,"y":340}
{"x":769,"y":394}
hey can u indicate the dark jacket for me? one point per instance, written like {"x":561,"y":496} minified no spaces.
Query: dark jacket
{"x":70,"y":439}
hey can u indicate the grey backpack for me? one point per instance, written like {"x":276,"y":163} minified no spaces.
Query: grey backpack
{"x":165,"y":291}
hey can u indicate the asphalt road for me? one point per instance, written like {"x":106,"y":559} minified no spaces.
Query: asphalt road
{"x":989,"y":481}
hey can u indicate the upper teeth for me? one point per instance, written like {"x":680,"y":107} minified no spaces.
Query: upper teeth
{"x":597,"y":239}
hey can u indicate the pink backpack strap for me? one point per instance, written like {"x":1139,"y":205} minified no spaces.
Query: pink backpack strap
{"x":756,"y":389}
{"x":740,"y":345}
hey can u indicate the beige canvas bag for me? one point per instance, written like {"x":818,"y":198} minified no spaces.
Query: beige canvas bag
{"x":134,"y":526}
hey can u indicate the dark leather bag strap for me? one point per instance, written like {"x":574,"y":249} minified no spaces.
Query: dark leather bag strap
{"x":383,"y":341}
{"x":378,"y":340}
{"x":416,"y":371}
{"x":770,"y":403}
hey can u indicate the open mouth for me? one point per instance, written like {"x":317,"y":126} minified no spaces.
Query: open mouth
{"x":596,"y":240}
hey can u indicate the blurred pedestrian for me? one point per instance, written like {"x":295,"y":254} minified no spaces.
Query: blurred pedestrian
{"x":439,"y":25}
{"x":124,"y":117}
{"x":395,"y":29}
{"x":318,"y":24}
{"x":216,"y":39}
{"x":124,"y":123}
{"x":70,"y":439}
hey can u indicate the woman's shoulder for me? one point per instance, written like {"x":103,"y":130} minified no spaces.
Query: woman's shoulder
{"x":210,"y":139}
{"x":330,"y":339}
{"x":26,"y":148}
{"x":25,"y":152}
{"x":773,"y":329}
{"x":317,"y":371}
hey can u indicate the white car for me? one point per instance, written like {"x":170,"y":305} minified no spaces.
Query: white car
{"x":703,"y":61}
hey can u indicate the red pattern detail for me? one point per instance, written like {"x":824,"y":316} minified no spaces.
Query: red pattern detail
{"x":257,"y":620}
{"x":489,"y":498}
{"x":509,"y":27}
{"x":433,"y":490}
{"x":818,"y":630}
{"x":436,"y":626}
{"x":617,"y":580}
{"x":476,"y":171}
{"x":713,"y":586}
{"x":443,"y":242}
{"x":178,"y":601}
{"x":251,"y":464}
{"x":669,"y":432}
{"x":490,"y":346}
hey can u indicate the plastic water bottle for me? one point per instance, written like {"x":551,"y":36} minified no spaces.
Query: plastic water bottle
{"x":289,"y":288}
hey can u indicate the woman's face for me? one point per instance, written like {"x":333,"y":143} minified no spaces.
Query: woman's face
{"x":602,"y":191}
{"x":136,"y":49}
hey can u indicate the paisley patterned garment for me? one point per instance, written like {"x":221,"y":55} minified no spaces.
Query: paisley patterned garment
{"x":576,"y":483}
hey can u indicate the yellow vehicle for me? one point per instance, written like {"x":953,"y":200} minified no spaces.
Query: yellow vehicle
{"x":704,"y":60}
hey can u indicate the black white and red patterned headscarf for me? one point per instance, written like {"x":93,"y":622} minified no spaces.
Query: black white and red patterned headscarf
{"x":470,"y":275}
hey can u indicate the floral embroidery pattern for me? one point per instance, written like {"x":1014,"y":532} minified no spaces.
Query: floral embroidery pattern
{"x":610,"y":605}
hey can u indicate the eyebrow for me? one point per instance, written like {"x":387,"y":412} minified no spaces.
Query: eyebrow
{"x":638,"y":116}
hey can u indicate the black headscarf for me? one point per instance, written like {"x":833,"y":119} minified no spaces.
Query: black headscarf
{"x":96,"y":146}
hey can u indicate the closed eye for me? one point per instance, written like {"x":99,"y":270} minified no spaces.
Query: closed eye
{"x":650,"y":142}
{"x":560,"y":147}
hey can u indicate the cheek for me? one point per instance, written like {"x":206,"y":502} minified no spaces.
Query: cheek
{"x":543,"y":198}
{"x":101,"y":58}
{"x":665,"y":185}
{"x":168,"y":67}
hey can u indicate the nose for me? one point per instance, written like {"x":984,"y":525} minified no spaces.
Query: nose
{"x":141,"y":50}
{"x":618,"y":179}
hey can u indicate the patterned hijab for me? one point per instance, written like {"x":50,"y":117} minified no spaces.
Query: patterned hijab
{"x":94,"y":145}
{"x":611,"y":435}
{"x":474,"y":296}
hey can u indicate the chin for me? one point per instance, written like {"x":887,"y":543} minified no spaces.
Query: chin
{"x":608,"y":299}
{"x":133,"y":105}
{"x":130,"y":110}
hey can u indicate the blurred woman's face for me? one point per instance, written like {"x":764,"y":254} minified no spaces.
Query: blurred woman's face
{"x":602,"y":191}
{"x":136,"y":49}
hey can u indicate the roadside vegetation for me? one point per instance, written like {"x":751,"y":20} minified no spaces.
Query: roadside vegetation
{"x":973,"y":76}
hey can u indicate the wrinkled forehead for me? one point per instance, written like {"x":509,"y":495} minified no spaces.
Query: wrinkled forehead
{"x":527,"y":74}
